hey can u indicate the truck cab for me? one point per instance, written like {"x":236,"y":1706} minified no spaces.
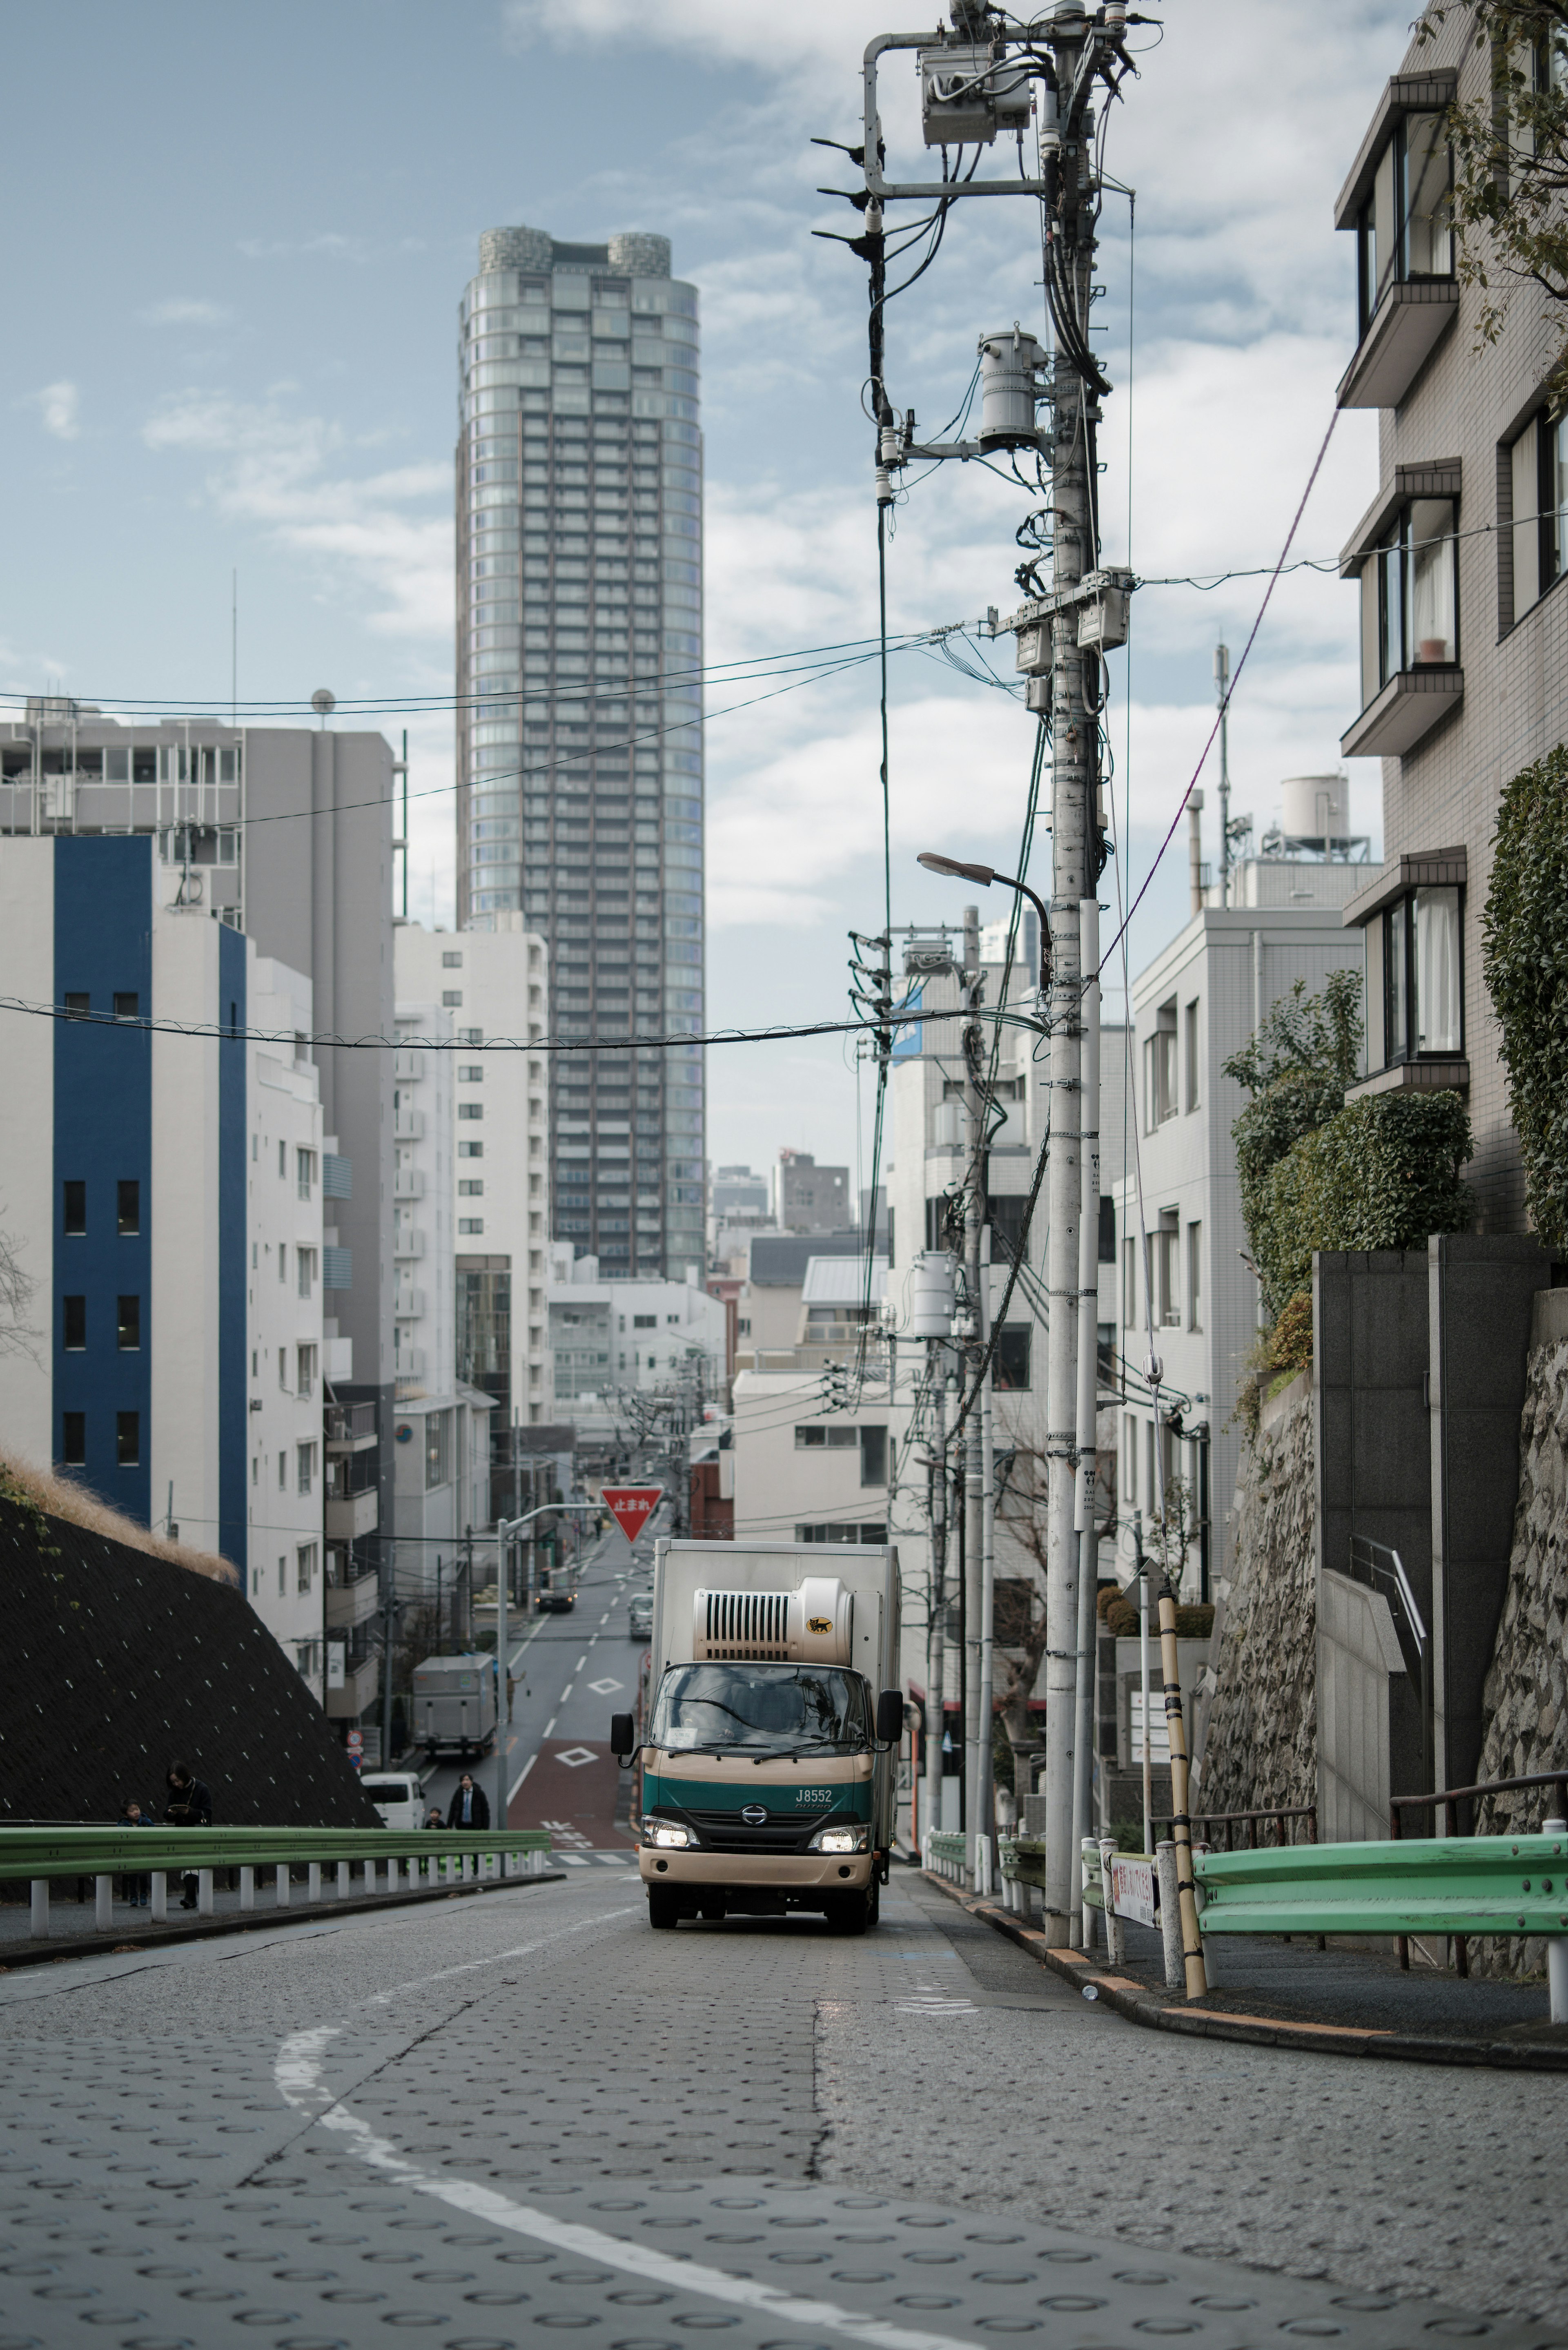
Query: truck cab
{"x":769,"y":1759}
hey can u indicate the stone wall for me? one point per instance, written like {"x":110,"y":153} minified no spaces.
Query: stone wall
{"x":1260,"y":1733}
{"x":1526,"y":1715}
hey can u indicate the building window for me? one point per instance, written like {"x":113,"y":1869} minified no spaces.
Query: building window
{"x":283,"y":1259}
{"x":817,"y":1435}
{"x":1129,"y":1458}
{"x":73,"y":1332}
{"x":304,"y":1171}
{"x":283,"y":1578}
{"x":127,"y":1325}
{"x":305,"y":1265}
{"x":1409,"y":589}
{"x":1161,"y":1100}
{"x":1167,"y":1244}
{"x":1009,"y":1364}
{"x":1423,"y":995}
{"x":1538,"y":467}
{"x":471,"y":1150}
{"x":1195,"y":1276}
{"x":873,"y":1456}
{"x":127,"y":1207}
{"x":451,"y":997}
{"x":644,"y":1322}
{"x":470,"y":1225}
{"x":74,"y":1205}
{"x":304,"y":1466}
{"x":72,"y":1439}
{"x":471,"y":1110}
{"x":1129,"y":1283}
{"x":78,"y":1006}
{"x":305,"y":1381}
{"x":1405,"y":228}
{"x":1107,"y":1240}
{"x":850,"y":1532}
{"x":450,"y":960}
{"x":128,"y":1439}
{"x":127,"y":1006}
{"x":469,"y":1188}
{"x":471,"y":1073}
{"x":1190,"y":1040}
{"x":437,"y":1448}
{"x":282,"y":1478}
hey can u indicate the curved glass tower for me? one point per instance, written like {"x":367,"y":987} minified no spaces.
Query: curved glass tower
{"x":579,"y":617}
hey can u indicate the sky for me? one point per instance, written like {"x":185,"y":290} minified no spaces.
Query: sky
{"x":234,"y":242}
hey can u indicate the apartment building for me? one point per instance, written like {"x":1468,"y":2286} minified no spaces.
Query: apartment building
{"x":1459,"y":561}
{"x":649,"y":1335}
{"x":166,"y":1196}
{"x":579,"y":653}
{"x":494,"y":984}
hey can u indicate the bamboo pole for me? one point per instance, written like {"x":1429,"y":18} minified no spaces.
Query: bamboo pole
{"x":1180,"y":1825}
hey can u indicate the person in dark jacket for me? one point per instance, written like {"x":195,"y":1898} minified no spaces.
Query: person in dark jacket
{"x":189,"y":1805}
{"x":138,"y":1889}
{"x":470,"y":1806}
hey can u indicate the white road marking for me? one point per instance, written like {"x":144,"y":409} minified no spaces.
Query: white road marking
{"x":580,"y":1663}
{"x":297,"y":2070}
{"x":522,"y":1775}
{"x":566,"y":1693}
{"x":549,"y":1726}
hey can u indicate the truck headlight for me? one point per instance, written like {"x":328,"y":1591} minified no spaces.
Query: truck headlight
{"x":840,"y":1839}
{"x":664,"y":1832}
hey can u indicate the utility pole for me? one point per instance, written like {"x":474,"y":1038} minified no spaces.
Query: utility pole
{"x":1223,"y":690}
{"x":1088,"y":1392}
{"x":936,"y":1636}
{"x":977,"y":1746}
{"x":389,"y":1578}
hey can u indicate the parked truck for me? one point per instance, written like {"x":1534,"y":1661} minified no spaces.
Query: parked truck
{"x":769,"y":1759}
{"x":454,"y":1705}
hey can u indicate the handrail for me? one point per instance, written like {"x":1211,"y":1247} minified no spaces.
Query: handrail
{"x":40,"y":1852}
{"x":1278,"y":1812}
{"x":1450,"y":1799}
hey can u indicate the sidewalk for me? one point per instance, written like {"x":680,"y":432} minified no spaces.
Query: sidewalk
{"x":1275,"y":1993}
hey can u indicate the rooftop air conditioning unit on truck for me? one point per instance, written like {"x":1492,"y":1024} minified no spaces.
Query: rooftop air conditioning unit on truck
{"x":771,"y":1751}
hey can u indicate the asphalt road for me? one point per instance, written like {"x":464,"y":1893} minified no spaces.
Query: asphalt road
{"x":501,"y":2117}
{"x":571,"y":1673}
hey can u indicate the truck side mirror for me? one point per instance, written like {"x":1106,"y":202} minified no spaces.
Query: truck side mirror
{"x":889,"y":1717}
{"x":623,"y":1733}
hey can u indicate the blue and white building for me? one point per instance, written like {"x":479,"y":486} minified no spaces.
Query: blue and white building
{"x":165,"y":1195}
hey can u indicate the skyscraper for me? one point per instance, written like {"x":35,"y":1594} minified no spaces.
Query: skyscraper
{"x":579,"y":651}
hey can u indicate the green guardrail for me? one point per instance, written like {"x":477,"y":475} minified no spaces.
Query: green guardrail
{"x":433,"y":1858}
{"x":1440,"y":1885}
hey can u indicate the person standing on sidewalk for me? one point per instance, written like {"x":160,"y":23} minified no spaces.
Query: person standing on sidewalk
{"x":189,"y":1806}
{"x":138,"y":1889}
{"x":470,"y":1806}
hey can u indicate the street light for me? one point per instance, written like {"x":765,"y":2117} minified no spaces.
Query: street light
{"x":985,"y":875}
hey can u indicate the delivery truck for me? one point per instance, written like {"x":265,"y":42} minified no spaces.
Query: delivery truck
{"x":770,"y":1749}
{"x":454,"y":1705}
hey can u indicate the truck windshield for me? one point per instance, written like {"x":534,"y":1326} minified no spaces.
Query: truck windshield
{"x":762,"y":1707}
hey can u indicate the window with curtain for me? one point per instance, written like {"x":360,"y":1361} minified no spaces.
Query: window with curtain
{"x":1423,"y":996}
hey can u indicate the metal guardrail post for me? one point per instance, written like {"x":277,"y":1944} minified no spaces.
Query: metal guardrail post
{"x":204,"y":1892}
{"x":247,"y":1889}
{"x":159,"y":1898}
{"x":103,"y":1903}
{"x":39,"y":1924}
{"x":313,"y":1881}
{"x":343,"y":1880}
{"x":283,"y":1880}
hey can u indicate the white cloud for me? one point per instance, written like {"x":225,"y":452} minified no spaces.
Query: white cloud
{"x":59,"y":410}
{"x":182,"y":310}
{"x":289,"y":475}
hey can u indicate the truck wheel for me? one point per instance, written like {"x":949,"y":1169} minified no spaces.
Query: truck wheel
{"x":850,"y":1913}
{"x":662,"y":1910}
{"x":874,"y":1904}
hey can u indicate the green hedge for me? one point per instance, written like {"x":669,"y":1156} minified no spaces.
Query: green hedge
{"x":1383,"y":1173}
{"x":1524,"y":932}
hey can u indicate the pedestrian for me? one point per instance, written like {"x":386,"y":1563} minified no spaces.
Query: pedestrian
{"x":189,"y":1806}
{"x":138,"y":1889}
{"x":433,"y":1818}
{"x":470,"y":1805}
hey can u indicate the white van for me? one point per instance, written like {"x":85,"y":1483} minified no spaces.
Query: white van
{"x":398,"y":1796}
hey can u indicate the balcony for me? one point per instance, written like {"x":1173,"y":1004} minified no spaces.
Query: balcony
{"x":409,"y":1183}
{"x":409,"y":1126}
{"x":1404,"y":327}
{"x":408,"y":1363}
{"x":408,"y":1239}
{"x":1409,"y":706}
{"x":351,"y":1515}
{"x":360,"y":1686}
{"x":350,"y":1427}
{"x":410,"y":1305}
{"x":348,"y":1604}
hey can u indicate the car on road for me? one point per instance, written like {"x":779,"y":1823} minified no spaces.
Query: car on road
{"x":557,"y":1591}
{"x":399,"y":1797}
{"x":639,"y":1616}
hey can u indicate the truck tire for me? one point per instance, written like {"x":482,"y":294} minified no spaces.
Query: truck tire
{"x":874,"y":1904}
{"x":663,"y":1912}
{"x":850,"y":1913}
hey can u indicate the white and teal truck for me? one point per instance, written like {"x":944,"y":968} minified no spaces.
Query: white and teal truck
{"x":770,"y":1754}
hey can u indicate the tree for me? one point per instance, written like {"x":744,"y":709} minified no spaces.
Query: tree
{"x":1524,"y":931}
{"x":1016,"y":1668}
{"x":1296,"y":1066}
{"x":18,"y":1336}
{"x":1510,"y":158}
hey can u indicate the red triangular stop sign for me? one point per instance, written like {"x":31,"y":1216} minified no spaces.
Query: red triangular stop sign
{"x":631,"y":1506}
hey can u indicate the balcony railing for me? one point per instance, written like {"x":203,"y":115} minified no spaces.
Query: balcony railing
{"x":350,"y":1426}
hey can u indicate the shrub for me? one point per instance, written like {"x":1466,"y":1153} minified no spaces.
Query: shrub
{"x":1524,"y":932}
{"x":1383,"y":1173}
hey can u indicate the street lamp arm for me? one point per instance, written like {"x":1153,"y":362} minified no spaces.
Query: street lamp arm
{"x":984,"y":875}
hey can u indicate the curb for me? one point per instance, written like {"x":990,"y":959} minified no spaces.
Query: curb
{"x":252,"y":1921}
{"x":1130,"y":1999}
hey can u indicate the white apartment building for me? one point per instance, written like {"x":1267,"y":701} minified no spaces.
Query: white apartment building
{"x":494,"y":982}
{"x":1178,"y":1209}
{"x":629,"y":1333}
{"x":289,"y":1159}
{"x":424,"y":1225}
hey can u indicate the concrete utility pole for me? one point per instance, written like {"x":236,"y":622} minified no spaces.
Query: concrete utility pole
{"x":936,"y":1636}
{"x":977,"y":1741}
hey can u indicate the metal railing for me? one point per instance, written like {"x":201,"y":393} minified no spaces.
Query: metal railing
{"x":1382,"y":1570}
{"x":434,"y":1859}
{"x":1204,"y":1822}
{"x":1448,"y":1800}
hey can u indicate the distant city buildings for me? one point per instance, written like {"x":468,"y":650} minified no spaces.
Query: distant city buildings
{"x":811,"y":1198}
{"x":579,"y":662}
{"x":658,"y":1337}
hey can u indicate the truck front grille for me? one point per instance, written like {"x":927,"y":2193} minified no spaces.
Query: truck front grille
{"x":783,"y":1832}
